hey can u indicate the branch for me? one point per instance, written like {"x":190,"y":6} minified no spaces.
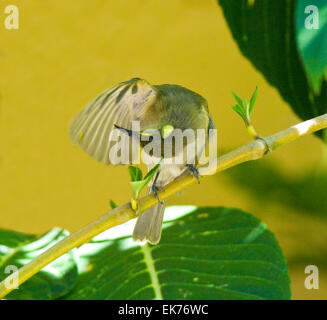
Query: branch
{"x":251,"y":151}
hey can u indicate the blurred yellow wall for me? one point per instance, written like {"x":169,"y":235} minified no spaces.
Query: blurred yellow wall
{"x":66,"y":52}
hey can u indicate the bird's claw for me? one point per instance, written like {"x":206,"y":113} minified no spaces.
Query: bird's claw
{"x":155,"y":190}
{"x":194,"y":171}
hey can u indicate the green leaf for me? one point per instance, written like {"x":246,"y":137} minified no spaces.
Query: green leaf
{"x":204,"y":253}
{"x":253,"y":100}
{"x":244,"y":108}
{"x":312,"y":43}
{"x":265,"y":33}
{"x":113,"y":205}
{"x":245,"y":104}
{"x":240,"y":112}
{"x":53,"y":281}
{"x":152,"y":172}
{"x":137,"y":186}
{"x":238,"y":99}
{"x":135,"y":173}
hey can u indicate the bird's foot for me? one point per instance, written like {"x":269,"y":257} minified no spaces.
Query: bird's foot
{"x":155,"y":189}
{"x":193,"y":171}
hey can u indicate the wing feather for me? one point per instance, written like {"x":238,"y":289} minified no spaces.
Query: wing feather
{"x":124,"y":124}
{"x":92,"y":127}
{"x":119,"y":105}
{"x":104,"y":141}
{"x":98,"y":135}
{"x":85,"y":115}
{"x":106,"y":115}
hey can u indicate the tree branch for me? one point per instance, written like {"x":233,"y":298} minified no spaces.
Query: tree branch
{"x":251,"y":151}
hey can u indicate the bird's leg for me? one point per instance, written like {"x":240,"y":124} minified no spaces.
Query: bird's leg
{"x":155,"y":188}
{"x":193,"y":171}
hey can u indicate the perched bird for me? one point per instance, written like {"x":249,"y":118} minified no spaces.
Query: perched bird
{"x":160,"y":110}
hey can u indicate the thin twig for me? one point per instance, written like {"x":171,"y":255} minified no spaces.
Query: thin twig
{"x":251,"y":151}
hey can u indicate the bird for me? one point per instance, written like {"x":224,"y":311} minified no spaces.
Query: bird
{"x":160,"y":110}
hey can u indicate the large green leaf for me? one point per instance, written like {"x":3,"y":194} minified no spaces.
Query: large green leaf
{"x":265,"y":33}
{"x":311,"y":39}
{"x":53,"y":281}
{"x":204,"y":253}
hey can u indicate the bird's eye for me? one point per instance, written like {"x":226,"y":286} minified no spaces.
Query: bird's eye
{"x":166,"y":131}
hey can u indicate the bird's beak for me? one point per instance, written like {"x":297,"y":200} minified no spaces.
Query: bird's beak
{"x":135,"y":134}
{"x":129,"y":132}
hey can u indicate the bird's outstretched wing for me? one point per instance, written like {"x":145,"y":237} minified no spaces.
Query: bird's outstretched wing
{"x":119,"y":105}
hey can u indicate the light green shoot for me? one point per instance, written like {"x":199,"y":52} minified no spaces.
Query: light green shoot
{"x":244,"y":109}
{"x":138,"y":183}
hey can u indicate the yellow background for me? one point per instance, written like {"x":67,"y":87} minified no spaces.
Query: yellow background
{"x":66,"y":52}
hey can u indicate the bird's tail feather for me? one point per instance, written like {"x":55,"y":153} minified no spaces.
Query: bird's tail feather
{"x":148,"y":225}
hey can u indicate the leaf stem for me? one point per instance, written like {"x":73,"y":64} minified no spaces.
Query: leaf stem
{"x":252,"y":131}
{"x":253,"y":150}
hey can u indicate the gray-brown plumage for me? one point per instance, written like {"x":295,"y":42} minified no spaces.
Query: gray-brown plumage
{"x":154,"y":106}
